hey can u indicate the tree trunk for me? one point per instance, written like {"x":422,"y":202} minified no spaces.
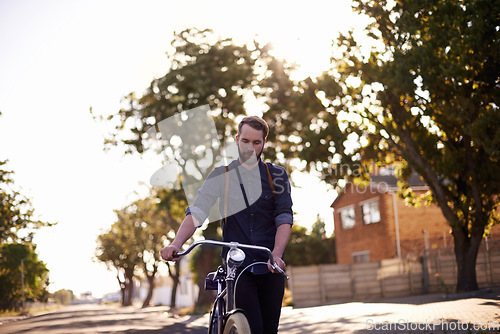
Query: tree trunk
{"x":122,"y":288}
{"x":466,"y":250}
{"x":175,"y":279}
{"x":129,"y":288}
{"x":151,"y":282}
{"x":205,"y":265}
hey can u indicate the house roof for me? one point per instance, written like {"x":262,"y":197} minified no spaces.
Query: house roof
{"x":387,"y":183}
{"x":415,"y":181}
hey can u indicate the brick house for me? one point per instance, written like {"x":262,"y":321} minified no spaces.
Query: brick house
{"x":372,"y":223}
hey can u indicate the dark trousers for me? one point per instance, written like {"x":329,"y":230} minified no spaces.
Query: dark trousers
{"x":260,"y":297}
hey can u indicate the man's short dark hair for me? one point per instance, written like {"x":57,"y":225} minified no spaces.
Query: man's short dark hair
{"x":255,"y":122}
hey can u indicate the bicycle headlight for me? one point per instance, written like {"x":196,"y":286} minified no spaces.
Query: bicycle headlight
{"x":235,"y":256}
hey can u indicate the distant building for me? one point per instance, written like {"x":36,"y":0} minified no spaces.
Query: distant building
{"x":112,"y":297}
{"x":372,"y":223}
{"x":86,"y":298}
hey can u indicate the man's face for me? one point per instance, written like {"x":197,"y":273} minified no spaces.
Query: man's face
{"x":250,"y":140}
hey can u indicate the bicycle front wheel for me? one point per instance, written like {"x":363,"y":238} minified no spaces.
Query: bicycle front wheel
{"x":237,"y":323}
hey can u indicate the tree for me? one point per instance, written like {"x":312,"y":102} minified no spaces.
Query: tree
{"x":205,"y":69}
{"x":310,"y":247}
{"x":205,"y":259}
{"x":155,"y":218}
{"x":63,"y":296}
{"x":16,"y":213}
{"x":35,"y":274}
{"x":133,"y":243}
{"x":17,"y":224}
{"x":322,"y":247}
{"x":116,"y":249}
{"x":145,"y":238}
{"x":422,"y":89}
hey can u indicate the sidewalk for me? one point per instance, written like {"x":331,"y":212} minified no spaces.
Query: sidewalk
{"x":478,"y":312}
{"x":4,"y":320}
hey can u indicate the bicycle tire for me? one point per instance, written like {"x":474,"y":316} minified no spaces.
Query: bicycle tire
{"x":237,"y":323}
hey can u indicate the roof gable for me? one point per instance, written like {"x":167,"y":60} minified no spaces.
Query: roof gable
{"x":385,"y":183}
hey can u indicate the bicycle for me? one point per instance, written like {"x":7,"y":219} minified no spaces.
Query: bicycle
{"x":226,"y":319}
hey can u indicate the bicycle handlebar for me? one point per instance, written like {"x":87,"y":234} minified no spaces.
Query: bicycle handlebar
{"x":226,"y":244}
{"x":232,"y":245}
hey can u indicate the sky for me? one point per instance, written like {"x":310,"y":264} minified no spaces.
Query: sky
{"x":59,"y":58}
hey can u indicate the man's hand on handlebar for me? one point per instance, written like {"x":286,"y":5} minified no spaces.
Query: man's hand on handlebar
{"x":169,"y":253}
{"x":279,"y":262}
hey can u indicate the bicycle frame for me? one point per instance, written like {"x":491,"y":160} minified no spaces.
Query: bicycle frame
{"x":235,"y":257}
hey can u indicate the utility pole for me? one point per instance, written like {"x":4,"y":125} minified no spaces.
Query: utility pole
{"x":425,"y":263}
{"x":396,"y":224}
{"x":22,"y":286}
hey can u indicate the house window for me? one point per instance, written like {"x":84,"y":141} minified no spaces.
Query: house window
{"x":371,"y":212}
{"x":347,"y":217}
{"x":360,"y":257}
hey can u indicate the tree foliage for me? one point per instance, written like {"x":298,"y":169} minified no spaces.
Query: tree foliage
{"x":310,"y":247}
{"x":16,"y":213}
{"x":155,"y":219}
{"x":17,"y":225}
{"x":36,"y":279}
{"x":204,"y":69}
{"x":421,"y":89}
{"x":63,"y":296}
{"x":132,"y":245}
{"x":116,"y":249}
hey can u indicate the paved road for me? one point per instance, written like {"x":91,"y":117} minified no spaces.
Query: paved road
{"x":421,"y":314}
{"x":479,"y":313}
{"x":107,"y":319}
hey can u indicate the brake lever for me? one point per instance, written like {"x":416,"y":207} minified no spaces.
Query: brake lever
{"x":281,"y":271}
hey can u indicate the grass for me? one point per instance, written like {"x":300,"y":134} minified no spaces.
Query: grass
{"x":29,"y":311}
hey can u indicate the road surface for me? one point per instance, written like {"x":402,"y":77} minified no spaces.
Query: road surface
{"x":478,"y":313}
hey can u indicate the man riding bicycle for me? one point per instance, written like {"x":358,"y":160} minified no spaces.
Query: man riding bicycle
{"x":258,"y":197}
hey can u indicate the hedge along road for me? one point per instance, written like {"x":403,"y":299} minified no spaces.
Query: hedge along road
{"x":478,"y":312}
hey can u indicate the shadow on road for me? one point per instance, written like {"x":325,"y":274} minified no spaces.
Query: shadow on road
{"x":490,"y":294}
{"x":172,"y":329}
{"x":104,"y":319}
{"x":403,"y":314}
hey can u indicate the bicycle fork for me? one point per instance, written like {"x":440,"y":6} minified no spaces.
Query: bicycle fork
{"x":219,"y":308}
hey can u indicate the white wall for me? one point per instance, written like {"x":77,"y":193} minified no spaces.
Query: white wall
{"x":187,"y":291}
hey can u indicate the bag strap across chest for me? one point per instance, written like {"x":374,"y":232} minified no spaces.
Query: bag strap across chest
{"x":271,"y":183}
{"x":226,"y":187}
